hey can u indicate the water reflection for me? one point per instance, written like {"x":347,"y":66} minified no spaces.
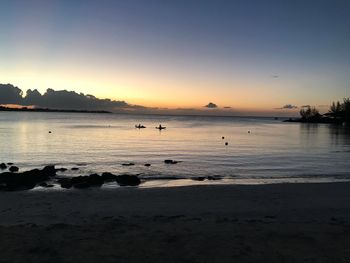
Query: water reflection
{"x":273,"y":149}
{"x":313,"y":134}
{"x":340,"y":134}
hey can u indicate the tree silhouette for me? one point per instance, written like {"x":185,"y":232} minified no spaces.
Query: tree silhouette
{"x":340,"y":111}
{"x":310,"y":114}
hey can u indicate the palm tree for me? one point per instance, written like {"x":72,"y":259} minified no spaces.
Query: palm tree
{"x":340,"y":111}
{"x":346,"y":108}
{"x":335,"y":110}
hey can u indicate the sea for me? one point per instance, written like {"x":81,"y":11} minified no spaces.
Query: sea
{"x":259,"y":150}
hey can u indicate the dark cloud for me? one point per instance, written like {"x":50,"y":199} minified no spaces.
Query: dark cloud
{"x":227,"y":107}
{"x":64,"y":99}
{"x":287,"y":107}
{"x":61,"y":99}
{"x":10,"y":94}
{"x":211,"y":105}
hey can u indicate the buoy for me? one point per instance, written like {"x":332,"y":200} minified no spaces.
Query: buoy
{"x":49,"y":131}
{"x":226,"y":143}
{"x":223,"y":137}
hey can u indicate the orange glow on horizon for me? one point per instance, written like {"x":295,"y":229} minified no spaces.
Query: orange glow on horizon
{"x":16,"y":106}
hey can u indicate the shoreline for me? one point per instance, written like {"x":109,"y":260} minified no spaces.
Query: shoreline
{"x":214,"y":223}
{"x":136,"y":197}
{"x":52,"y":178}
{"x":55,"y":179}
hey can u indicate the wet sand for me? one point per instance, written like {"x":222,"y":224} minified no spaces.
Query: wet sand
{"x":222,"y":223}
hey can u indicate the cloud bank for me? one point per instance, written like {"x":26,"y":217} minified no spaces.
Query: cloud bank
{"x":70,"y":100}
{"x":61,"y":99}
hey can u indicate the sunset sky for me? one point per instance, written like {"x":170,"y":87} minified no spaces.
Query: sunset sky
{"x":252,"y":56}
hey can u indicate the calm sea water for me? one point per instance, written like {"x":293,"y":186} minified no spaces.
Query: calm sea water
{"x":273,"y":150}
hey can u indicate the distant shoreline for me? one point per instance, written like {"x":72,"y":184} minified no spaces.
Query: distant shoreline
{"x":281,"y":118}
{"x":24,"y":109}
{"x":317,"y":121}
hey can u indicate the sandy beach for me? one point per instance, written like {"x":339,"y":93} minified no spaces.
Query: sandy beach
{"x":237,"y":223}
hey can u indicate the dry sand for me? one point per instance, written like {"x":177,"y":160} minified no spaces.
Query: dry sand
{"x":261,"y":223}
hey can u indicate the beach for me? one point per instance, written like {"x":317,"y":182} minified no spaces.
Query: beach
{"x":174,"y":131}
{"x":211,"y":223}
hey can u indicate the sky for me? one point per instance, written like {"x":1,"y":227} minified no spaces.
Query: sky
{"x":252,"y":56}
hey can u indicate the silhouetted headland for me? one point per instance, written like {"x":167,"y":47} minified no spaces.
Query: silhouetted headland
{"x":50,"y":110}
{"x":339,"y":113}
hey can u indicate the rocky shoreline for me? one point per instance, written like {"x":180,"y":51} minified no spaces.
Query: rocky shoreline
{"x":13,"y":180}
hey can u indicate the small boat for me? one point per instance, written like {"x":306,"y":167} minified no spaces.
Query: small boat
{"x":140,"y":126}
{"x":160,"y":127}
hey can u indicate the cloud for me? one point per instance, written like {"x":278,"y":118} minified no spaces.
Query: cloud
{"x":227,"y":107}
{"x":61,"y":99}
{"x":305,"y":106}
{"x":287,"y":107}
{"x":10,"y":94}
{"x":211,"y":105}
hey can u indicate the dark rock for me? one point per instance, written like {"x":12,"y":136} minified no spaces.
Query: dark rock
{"x":75,"y":169}
{"x":87,"y":181}
{"x":128,"y":164}
{"x":3,"y":166}
{"x":46,"y":185}
{"x":80,"y":180}
{"x":65,"y":183}
{"x":213,"y":178}
{"x":199,"y":178}
{"x":95,"y":180}
{"x":108,"y":177}
{"x":22,"y":181}
{"x":12,"y":181}
{"x":16,"y":181}
{"x":128,"y":180}
{"x":226,"y":143}
{"x":147,"y":164}
{"x":61,"y":169}
{"x":170,"y":162}
{"x":222,"y":137}
{"x":13,"y":169}
{"x":9,"y":163}
{"x":49,"y":170}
